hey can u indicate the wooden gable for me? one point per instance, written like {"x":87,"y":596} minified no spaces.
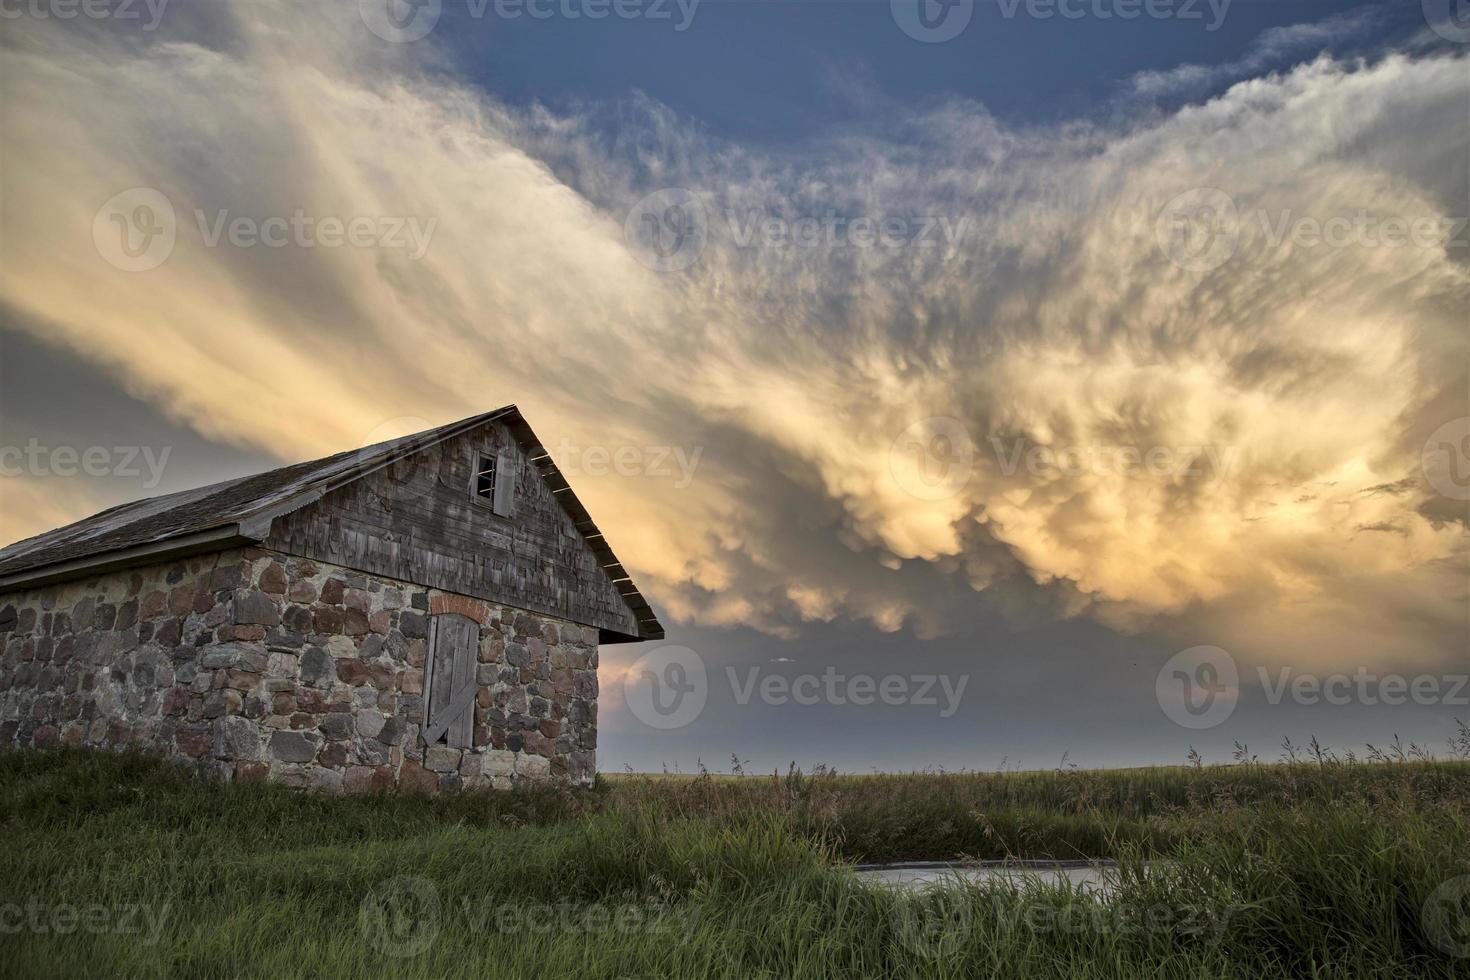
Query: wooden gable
{"x":420,"y":519}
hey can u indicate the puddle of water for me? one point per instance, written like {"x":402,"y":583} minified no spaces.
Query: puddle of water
{"x":1100,"y":877}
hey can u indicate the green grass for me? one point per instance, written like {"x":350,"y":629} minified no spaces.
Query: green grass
{"x":1312,"y":870}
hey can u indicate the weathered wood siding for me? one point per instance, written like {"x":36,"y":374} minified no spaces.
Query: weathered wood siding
{"x":416,"y":521}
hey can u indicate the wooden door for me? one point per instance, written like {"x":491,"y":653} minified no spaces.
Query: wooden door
{"x":449,"y":689}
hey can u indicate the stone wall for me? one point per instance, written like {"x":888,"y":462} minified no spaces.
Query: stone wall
{"x":257,"y":664}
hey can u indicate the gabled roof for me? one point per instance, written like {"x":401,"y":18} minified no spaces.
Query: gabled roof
{"x":239,"y":512}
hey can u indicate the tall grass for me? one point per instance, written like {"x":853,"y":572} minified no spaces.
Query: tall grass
{"x":1059,"y":814}
{"x":1313,"y":871}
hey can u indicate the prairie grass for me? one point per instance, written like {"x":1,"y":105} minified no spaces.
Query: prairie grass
{"x":1309,"y":869}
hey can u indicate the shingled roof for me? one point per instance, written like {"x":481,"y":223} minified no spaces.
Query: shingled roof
{"x":239,"y":512}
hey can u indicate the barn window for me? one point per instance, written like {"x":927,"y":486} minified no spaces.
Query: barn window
{"x":493,"y":481}
{"x":485,"y":477}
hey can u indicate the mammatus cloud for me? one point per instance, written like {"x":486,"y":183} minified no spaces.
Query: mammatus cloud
{"x":1031,"y":365}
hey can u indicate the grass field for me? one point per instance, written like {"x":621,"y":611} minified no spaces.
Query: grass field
{"x":120,"y":865}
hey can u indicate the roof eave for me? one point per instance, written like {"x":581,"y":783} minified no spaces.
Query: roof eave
{"x":649,"y":628}
{"x":212,"y":539}
{"x":254,"y":524}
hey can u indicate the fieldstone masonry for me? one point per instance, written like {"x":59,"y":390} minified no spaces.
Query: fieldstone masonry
{"x":261,"y":665}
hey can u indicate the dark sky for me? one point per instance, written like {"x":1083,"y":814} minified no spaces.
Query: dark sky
{"x":780,"y":71}
{"x":786,"y":558}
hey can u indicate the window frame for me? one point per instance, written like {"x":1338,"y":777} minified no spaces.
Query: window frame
{"x":478,"y":467}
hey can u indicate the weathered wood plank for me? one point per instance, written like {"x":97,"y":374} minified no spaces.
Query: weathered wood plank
{"x":418,"y":522}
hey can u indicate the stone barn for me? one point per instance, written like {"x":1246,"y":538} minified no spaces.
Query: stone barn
{"x":424,"y":614}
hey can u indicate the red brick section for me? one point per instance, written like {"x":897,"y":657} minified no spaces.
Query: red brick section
{"x":441,"y":603}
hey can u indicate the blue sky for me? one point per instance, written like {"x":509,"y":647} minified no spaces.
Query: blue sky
{"x":817,"y":387}
{"x":776,"y":71}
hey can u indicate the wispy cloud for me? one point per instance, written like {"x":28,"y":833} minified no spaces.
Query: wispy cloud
{"x":1276,"y":48}
{"x":1025,"y":299}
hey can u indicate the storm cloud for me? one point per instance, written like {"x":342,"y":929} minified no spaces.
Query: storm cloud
{"x":1154,"y":370}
